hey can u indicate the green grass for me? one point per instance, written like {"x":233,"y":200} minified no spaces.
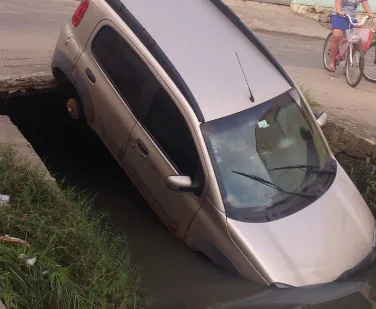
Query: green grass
{"x":370,"y":191}
{"x":363,"y":174}
{"x":80,"y":261}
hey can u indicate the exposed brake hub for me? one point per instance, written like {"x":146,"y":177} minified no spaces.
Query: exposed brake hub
{"x":74,"y":108}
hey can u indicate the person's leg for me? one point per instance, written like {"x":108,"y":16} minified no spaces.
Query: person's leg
{"x":339,"y":26}
{"x":334,"y":46}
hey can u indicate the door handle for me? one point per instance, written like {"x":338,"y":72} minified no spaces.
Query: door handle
{"x":90,"y":75}
{"x":141,"y":146}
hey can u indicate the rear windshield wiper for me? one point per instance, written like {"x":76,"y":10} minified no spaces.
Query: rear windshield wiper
{"x":309,"y":168}
{"x":271,"y":185}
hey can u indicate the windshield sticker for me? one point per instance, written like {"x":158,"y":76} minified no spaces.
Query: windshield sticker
{"x":263,"y":124}
{"x":215,"y":150}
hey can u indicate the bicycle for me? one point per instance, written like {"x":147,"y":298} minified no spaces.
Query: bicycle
{"x":353,"y":48}
{"x":370,"y":63}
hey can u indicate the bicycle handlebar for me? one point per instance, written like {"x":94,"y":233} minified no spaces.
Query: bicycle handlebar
{"x":364,"y":20}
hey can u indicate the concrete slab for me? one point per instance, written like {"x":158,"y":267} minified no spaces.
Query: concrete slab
{"x":10,"y":134}
{"x":12,"y":83}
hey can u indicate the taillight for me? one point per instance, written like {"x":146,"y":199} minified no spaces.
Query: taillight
{"x":80,"y":12}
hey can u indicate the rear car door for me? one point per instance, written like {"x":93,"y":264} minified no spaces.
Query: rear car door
{"x":162,"y":145}
{"x":114,"y":77}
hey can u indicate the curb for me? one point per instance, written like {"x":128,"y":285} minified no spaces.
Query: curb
{"x":14,"y":83}
{"x":258,"y":31}
{"x":343,"y":141}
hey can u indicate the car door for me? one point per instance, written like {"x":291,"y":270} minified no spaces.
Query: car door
{"x":114,"y":76}
{"x":162,"y":145}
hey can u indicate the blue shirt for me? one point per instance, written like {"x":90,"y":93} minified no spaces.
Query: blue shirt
{"x":349,"y":7}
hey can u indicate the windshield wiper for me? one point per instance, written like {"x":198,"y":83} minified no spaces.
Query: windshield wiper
{"x":310,"y":169}
{"x":271,"y":185}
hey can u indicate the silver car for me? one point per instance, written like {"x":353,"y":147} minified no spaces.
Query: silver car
{"x":216,"y":136}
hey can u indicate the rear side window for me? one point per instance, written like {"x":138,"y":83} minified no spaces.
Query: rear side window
{"x":125,"y":69}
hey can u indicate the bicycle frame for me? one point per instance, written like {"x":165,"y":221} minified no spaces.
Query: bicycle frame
{"x":351,"y":45}
{"x":350,"y":48}
{"x":341,"y":52}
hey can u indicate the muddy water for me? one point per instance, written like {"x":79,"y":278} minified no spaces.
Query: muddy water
{"x":173,"y":276}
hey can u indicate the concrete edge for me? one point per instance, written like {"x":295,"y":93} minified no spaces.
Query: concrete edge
{"x":11,"y":135}
{"x":261,"y":31}
{"x":14,"y":83}
{"x":343,"y":141}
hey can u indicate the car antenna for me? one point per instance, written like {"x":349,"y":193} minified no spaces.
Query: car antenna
{"x":249,"y":88}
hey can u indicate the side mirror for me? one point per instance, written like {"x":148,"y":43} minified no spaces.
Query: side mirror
{"x":180,"y":183}
{"x":321,"y":118}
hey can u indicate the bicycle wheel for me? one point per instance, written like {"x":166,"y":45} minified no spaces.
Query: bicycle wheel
{"x":326,"y":51}
{"x":354,"y":67}
{"x":370,"y":63}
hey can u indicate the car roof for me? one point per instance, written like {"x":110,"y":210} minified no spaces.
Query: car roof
{"x":202,"y":43}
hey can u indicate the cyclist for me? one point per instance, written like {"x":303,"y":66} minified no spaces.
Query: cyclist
{"x":340,"y":23}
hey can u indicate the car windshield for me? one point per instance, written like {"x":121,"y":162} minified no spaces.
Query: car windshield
{"x":271,"y":154}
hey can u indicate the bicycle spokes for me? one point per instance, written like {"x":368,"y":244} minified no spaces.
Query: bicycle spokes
{"x":354,"y":65}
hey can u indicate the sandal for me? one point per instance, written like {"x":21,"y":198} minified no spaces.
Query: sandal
{"x":332,"y":70}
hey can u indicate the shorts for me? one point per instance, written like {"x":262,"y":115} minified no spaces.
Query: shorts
{"x":342,"y":23}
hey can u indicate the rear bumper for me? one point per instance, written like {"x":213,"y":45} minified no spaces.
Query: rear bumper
{"x":64,"y":56}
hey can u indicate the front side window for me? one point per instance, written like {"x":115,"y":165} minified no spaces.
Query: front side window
{"x":270,"y":160}
{"x":126,"y":70}
{"x":168,"y":128}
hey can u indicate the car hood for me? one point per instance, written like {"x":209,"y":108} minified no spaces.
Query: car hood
{"x":314,"y":245}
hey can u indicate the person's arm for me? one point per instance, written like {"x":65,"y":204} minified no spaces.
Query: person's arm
{"x":338,"y":7}
{"x":367,"y":8}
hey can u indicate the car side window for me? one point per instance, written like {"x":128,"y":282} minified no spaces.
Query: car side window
{"x":126,"y":70}
{"x":168,"y":128}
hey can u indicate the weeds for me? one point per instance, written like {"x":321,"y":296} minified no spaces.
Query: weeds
{"x":363,"y":174}
{"x":80,"y":261}
{"x":307,"y":94}
{"x":370,"y":192}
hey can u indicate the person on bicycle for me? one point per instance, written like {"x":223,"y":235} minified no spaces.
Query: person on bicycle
{"x":340,"y":23}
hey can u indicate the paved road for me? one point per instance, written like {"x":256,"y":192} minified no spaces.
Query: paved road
{"x":301,"y":57}
{"x":28,"y":33}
